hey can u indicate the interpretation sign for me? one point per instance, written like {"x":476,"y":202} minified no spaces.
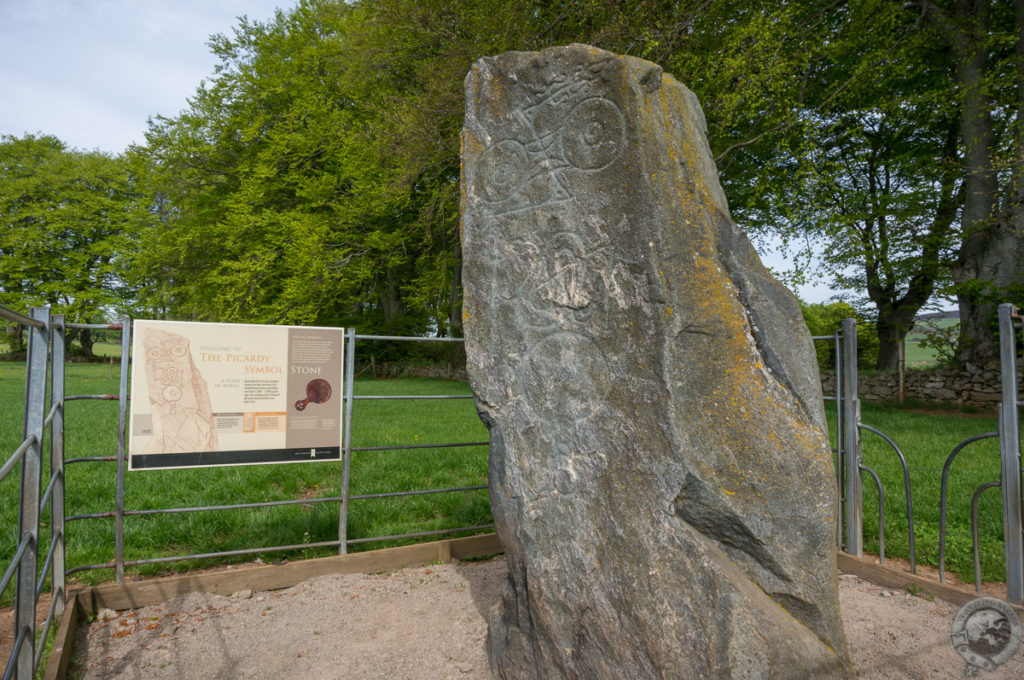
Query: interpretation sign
{"x":234,"y":394}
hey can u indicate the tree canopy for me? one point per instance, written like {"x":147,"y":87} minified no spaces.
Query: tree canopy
{"x":70,"y":220}
{"x":313,"y":178}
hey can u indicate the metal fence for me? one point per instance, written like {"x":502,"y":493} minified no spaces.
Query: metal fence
{"x":1008,"y":433}
{"x":343,"y":499}
{"x":47,"y":339}
{"x":849,"y":458}
{"x":41,"y":414}
{"x":45,"y":401}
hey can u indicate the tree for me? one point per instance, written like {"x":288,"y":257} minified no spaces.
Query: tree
{"x":813,"y":105}
{"x":827,"y":319}
{"x":320,"y":166}
{"x":287,"y":168}
{"x":68,"y":218}
{"x":876,"y":172}
{"x":826,"y":128}
{"x":256,"y":179}
{"x":320,"y":162}
{"x":985,"y":37}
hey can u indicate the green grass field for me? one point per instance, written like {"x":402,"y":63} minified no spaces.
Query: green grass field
{"x":917,"y":356}
{"x":926,"y":439}
{"x":91,"y":430}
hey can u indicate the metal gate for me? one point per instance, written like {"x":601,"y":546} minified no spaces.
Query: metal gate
{"x":850,"y":463}
{"x":44,"y":369}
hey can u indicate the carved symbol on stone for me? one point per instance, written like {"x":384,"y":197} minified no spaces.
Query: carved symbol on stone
{"x":565,"y":131}
{"x":504,"y":168}
{"x":561,"y":288}
{"x":580,"y":369}
{"x":594,"y":135}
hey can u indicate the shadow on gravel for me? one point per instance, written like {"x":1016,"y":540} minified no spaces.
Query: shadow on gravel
{"x":486,"y":583}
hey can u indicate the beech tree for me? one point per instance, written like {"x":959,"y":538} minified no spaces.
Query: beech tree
{"x":314,"y":176}
{"x":986,"y":38}
{"x":257,"y":182}
{"x":890,"y":131}
{"x":68,"y":220}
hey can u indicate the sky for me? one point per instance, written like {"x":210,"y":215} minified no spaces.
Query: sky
{"x":92,"y":72}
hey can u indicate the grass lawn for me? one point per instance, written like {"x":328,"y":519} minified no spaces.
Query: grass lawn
{"x":926,"y":439}
{"x":923,"y":357}
{"x":917,"y":356}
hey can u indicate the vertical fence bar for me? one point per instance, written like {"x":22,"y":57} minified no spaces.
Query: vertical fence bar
{"x":57,"y":354}
{"x":1009,"y":455}
{"x":837,"y":347}
{"x":346,"y":448}
{"x":122,"y":460}
{"x":851,"y":442}
{"x":28,"y":514}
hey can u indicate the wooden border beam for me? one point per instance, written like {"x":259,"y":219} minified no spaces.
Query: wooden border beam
{"x":82,"y":603}
{"x":891,"y":578}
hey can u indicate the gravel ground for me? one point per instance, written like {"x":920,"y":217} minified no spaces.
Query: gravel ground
{"x":429,"y":623}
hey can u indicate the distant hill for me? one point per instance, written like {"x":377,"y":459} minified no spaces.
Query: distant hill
{"x":953,"y":314}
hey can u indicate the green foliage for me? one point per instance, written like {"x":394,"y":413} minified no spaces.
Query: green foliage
{"x":940,"y":338}
{"x":266,"y":171}
{"x":68,"y":220}
{"x":325,"y":182}
{"x":314,"y":177}
{"x":827,"y":319}
{"x":828,"y":129}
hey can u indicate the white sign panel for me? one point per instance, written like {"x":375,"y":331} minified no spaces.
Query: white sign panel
{"x":234,"y":394}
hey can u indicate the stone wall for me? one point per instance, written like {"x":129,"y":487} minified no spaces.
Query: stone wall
{"x":971,"y":386}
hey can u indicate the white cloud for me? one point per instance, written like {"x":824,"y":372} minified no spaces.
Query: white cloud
{"x":91,"y":73}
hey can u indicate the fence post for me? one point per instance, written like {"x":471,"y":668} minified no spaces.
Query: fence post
{"x":346,"y":448}
{"x":122,"y":460}
{"x":1009,"y":454}
{"x":837,"y":348}
{"x":57,"y":354}
{"x":31,"y":469}
{"x":851,"y":442}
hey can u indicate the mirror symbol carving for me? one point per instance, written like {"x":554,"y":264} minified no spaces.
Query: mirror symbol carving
{"x":317,"y":392}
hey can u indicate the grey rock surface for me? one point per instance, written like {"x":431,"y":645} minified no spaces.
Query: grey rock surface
{"x":659,"y":474}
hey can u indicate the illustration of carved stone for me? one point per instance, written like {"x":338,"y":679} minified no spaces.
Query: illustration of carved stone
{"x":178,"y":396}
{"x":659,"y":473}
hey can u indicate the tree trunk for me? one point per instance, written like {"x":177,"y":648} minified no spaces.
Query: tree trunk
{"x":894,"y":322}
{"x":455,"y":302}
{"x":15,"y":336}
{"x":86,"y":339}
{"x":989,"y":257}
{"x":388,"y":298}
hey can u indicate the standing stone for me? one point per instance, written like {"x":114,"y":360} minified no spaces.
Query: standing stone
{"x":659,"y":475}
